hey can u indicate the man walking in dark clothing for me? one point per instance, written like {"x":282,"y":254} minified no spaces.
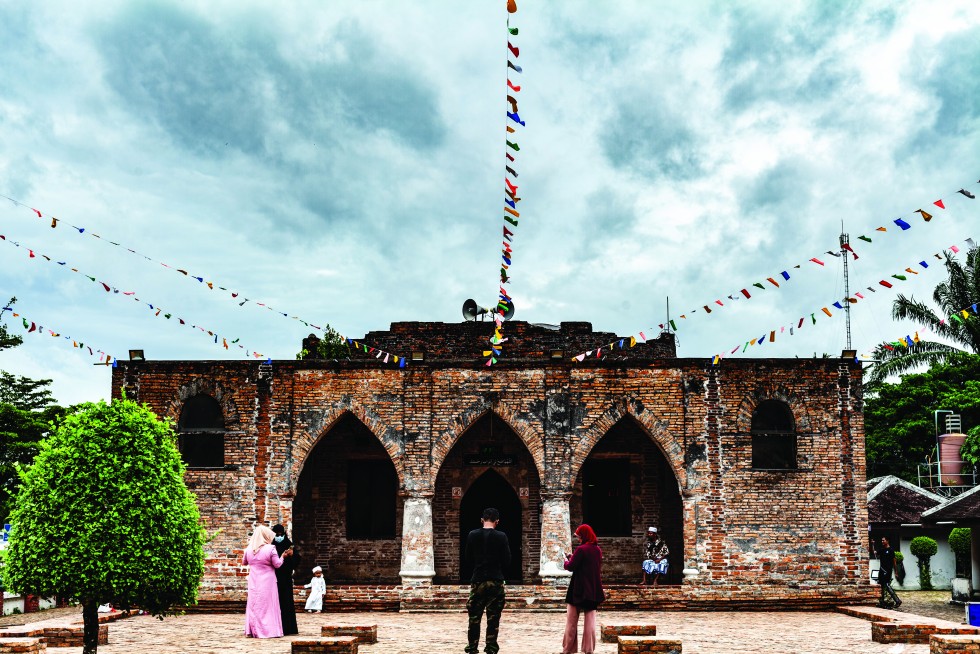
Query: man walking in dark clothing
{"x":488,"y":551}
{"x":886,"y":559}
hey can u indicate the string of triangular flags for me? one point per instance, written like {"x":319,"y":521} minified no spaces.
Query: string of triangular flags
{"x":778,"y":280}
{"x":910,"y":339}
{"x":378,"y":353}
{"x":511,"y":214}
{"x":157,"y":310}
{"x":202,"y":280}
{"x":631,"y":341}
{"x":34,"y":327}
{"x":839,"y":304}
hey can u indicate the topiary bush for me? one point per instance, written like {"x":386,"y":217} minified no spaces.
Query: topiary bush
{"x":960,"y":542}
{"x":103,"y":515}
{"x":899,"y":568}
{"x":924,"y":548}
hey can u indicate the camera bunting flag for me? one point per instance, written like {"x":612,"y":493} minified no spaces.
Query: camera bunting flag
{"x":377,"y":352}
{"x":200,"y":279}
{"x":778,"y":280}
{"x":511,"y":210}
{"x":157,"y":310}
{"x":909,"y":340}
{"x":797,"y":325}
{"x":32,"y":327}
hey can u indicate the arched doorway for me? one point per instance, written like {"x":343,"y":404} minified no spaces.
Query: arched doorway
{"x":626,"y":485}
{"x":489,"y":465}
{"x":490,"y":489}
{"x":347,"y":513}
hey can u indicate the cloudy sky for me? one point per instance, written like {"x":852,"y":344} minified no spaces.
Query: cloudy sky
{"x":344,"y":163}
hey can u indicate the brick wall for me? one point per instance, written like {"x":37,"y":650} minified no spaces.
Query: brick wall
{"x":682,"y":424}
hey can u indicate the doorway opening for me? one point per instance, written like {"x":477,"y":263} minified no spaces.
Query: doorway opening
{"x":492,"y":490}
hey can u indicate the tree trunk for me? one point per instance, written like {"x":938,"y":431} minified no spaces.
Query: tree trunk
{"x":90,"y":617}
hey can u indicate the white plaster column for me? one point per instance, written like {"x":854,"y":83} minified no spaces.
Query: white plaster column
{"x":556,"y":537}
{"x":418,"y":556}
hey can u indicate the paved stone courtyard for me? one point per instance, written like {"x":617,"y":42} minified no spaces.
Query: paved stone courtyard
{"x":526,"y":633}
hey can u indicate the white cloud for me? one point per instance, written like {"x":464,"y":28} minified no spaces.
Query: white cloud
{"x":346,"y":166}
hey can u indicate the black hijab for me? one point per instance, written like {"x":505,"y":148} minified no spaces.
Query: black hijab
{"x":285,"y":543}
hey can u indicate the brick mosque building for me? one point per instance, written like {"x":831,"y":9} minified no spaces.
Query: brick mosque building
{"x":752,"y":469}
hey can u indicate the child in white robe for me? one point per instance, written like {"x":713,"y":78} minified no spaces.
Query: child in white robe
{"x":318,"y":588}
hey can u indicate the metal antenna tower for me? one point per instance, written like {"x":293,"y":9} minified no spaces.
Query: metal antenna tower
{"x":845,"y":240}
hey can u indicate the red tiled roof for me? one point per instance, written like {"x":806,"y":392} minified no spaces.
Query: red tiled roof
{"x":893,"y":501}
{"x":964,"y":508}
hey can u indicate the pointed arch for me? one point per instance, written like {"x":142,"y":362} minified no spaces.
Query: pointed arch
{"x":492,"y":489}
{"x":489,"y":448}
{"x":533,"y":439}
{"x":204,"y":386}
{"x":624,"y":481}
{"x":654,"y":427}
{"x":346,"y":501}
{"x":762,"y":392}
{"x":321,"y":424}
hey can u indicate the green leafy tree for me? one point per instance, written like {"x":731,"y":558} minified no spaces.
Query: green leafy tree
{"x":960,"y":543}
{"x":960,"y":291}
{"x":899,"y":422}
{"x":970,"y":452}
{"x":332,"y":346}
{"x":924,"y":548}
{"x":103,"y":515}
{"x":27,"y":409}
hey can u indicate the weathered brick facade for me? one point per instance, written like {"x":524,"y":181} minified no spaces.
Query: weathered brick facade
{"x":454,"y":435}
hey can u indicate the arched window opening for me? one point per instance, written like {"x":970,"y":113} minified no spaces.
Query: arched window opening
{"x":372,"y":492}
{"x":201,"y":433}
{"x":347,"y":511}
{"x":606,"y":496}
{"x":625,"y":485}
{"x":773,"y":436}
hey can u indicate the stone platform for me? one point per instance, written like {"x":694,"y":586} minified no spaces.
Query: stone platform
{"x":532,"y":633}
{"x":552,"y":598}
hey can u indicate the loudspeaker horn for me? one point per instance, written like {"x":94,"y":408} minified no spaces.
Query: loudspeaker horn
{"x":509,"y":310}
{"x":471,"y":310}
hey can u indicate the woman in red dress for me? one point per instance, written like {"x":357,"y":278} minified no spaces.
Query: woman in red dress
{"x":584,"y":591}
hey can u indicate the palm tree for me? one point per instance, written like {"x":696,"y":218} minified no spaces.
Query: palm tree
{"x":960,"y":291}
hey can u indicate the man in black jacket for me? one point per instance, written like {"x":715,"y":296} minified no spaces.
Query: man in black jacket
{"x":886,"y":559}
{"x":489,"y":552}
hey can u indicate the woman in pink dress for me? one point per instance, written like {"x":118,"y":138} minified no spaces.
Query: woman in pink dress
{"x":262,"y":617}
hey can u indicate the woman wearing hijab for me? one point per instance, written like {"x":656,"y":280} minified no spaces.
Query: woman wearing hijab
{"x":262,"y":618}
{"x":284,"y":581}
{"x":584,"y":591}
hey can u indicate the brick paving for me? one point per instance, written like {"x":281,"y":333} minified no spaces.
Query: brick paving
{"x":527,"y":633}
